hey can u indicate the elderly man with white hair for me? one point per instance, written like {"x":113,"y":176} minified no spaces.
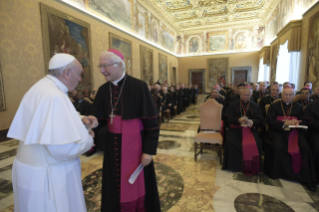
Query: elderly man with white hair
{"x":287,"y":153}
{"x":46,"y":173}
{"x":125,"y":106}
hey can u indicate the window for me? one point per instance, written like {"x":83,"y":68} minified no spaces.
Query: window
{"x":264,"y":71}
{"x":287,"y":66}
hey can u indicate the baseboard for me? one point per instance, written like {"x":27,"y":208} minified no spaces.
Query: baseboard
{"x":3,"y":135}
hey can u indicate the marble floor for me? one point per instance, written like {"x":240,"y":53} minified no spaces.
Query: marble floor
{"x":184,"y":185}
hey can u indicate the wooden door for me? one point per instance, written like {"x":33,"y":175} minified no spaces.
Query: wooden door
{"x":197,"y":79}
{"x":240,"y":76}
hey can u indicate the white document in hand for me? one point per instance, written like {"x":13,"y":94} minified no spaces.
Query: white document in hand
{"x":136,"y":174}
{"x":299,"y":126}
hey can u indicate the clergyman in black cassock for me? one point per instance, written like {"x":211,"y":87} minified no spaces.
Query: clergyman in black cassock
{"x":287,"y":153}
{"x":311,"y":117}
{"x":269,"y":99}
{"x":125,"y":105}
{"x":261,"y":93}
{"x":82,"y":106}
{"x":242,"y":146}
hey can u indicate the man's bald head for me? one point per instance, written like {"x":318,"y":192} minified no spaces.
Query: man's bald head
{"x":287,"y":95}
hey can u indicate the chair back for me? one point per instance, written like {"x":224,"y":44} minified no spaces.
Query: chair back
{"x":211,"y":115}
{"x":277,"y":100}
{"x":258,"y":101}
{"x":267,"y":108}
{"x":296,"y":98}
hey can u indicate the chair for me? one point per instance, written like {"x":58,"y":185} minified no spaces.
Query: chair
{"x":258,"y":100}
{"x":210,"y":119}
{"x":296,"y":98}
{"x":167,"y":114}
{"x":277,"y":100}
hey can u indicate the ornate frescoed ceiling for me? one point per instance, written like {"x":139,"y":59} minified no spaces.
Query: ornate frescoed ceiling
{"x":197,"y":15}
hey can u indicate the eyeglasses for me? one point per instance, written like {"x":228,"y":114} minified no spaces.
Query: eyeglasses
{"x":105,"y":65}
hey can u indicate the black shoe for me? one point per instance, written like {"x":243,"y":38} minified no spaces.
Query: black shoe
{"x":311,"y":187}
{"x":90,"y":153}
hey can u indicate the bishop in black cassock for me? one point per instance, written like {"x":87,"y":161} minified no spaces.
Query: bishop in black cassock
{"x":311,"y":117}
{"x":125,"y":106}
{"x":243,"y":146}
{"x":287,"y":153}
{"x":269,"y":99}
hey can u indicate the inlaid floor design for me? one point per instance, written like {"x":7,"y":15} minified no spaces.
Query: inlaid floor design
{"x":183,"y":184}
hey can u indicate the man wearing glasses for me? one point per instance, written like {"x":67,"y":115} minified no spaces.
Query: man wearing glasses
{"x":128,"y":115}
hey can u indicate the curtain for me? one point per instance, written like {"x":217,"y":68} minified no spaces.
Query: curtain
{"x":287,"y":65}
{"x":263,"y":72}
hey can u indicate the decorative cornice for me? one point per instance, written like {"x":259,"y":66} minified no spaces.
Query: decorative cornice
{"x":289,"y":26}
{"x":310,"y":9}
{"x":274,"y":41}
{"x":265,"y":48}
{"x":270,"y":10}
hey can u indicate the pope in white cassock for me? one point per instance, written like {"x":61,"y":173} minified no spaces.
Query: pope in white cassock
{"x":46,"y":173}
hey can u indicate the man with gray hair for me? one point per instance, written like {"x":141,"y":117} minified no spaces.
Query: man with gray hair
{"x":125,"y":107}
{"x":46,"y":173}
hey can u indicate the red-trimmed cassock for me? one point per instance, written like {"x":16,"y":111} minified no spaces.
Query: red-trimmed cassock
{"x":134,"y":131}
{"x":287,"y":153}
{"x":242,"y":146}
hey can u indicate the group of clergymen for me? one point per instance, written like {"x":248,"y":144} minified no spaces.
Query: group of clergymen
{"x":276,"y":120}
{"x":169,"y":98}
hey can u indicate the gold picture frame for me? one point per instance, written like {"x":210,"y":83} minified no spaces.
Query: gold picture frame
{"x":2,"y":99}
{"x":217,"y":46}
{"x":147,"y":65}
{"x":63,"y":33}
{"x":126,"y":48}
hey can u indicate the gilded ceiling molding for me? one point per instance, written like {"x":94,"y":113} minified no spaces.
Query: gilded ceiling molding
{"x":249,"y":6}
{"x":270,"y":9}
{"x":223,"y":25}
{"x":215,"y":11}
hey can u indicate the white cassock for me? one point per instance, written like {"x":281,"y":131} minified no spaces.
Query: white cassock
{"x":46,"y":173}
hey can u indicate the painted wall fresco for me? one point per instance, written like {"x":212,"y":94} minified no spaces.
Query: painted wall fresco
{"x":167,"y":39}
{"x":119,"y":11}
{"x":133,"y":16}
{"x":218,"y":41}
{"x":193,"y":45}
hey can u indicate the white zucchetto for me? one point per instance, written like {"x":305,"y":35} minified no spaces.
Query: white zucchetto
{"x":60,"y":60}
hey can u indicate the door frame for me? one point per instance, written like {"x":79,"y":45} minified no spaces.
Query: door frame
{"x":203,"y":71}
{"x":242,"y":68}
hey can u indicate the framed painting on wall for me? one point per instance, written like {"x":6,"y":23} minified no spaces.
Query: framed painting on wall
{"x":217,"y":41}
{"x":162,"y":69}
{"x":125,"y":47}
{"x":2,"y":100}
{"x":147,"y":65}
{"x":63,"y":33}
{"x":312,"y":51}
{"x":217,"y":71}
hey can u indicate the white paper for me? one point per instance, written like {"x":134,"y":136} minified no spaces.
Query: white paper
{"x":136,"y":174}
{"x":299,"y":126}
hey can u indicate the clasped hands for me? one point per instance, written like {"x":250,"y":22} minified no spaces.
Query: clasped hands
{"x":92,"y":122}
{"x":292,"y":122}
{"x":246,"y":121}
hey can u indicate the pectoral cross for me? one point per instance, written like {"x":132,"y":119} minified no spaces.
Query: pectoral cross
{"x":112,"y":116}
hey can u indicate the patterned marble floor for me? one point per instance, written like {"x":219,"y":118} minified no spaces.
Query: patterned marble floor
{"x":184,"y":185}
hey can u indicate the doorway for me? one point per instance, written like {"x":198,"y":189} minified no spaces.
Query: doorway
{"x":197,"y":77}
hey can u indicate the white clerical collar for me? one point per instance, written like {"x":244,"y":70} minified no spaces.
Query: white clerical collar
{"x":117,"y":81}
{"x":58,"y":83}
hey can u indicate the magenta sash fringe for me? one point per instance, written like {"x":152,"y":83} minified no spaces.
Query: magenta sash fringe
{"x":293,"y":147}
{"x":132,"y":196}
{"x":250,"y":151}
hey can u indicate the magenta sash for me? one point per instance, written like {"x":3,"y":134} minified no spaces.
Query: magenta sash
{"x":250,"y":151}
{"x":131,"y":195}
{"x":293,"y":147}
